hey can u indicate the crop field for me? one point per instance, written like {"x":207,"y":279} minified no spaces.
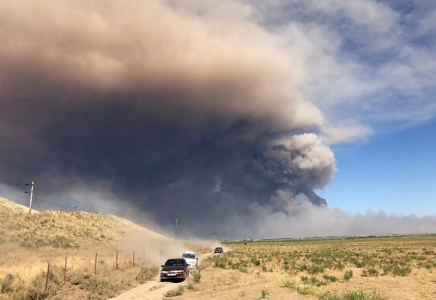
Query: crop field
{"x":401,"y":267}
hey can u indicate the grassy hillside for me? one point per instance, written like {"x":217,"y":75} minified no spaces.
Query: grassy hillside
{"x":104,"y":254}
{"x":63,"y":229}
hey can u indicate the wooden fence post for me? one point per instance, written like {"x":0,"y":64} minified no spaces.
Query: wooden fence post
{"x":65,"y":270}
{"x":95,"y":264}
{"x":133,"y":262}
{"x":46,"y":277}
{"x":116,"y":262}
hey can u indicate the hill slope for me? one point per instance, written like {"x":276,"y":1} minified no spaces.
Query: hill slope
{"x":64,"y":229}
{"x":104,"y":254}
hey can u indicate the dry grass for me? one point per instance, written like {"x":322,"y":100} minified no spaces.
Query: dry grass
{"x":400,"y":268}
{"x":29,"y":242}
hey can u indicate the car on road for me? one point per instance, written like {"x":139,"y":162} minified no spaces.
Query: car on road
{"x":191,"y":258}
{"x":218,"y":250}
{"x":174,"y":269}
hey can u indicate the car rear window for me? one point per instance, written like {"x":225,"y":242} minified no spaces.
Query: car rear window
{"x":175,"y":262}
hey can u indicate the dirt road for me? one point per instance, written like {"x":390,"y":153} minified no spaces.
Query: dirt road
{"x":153,"y":290}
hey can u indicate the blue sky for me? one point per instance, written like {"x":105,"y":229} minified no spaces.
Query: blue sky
{"x":371,"y":68}
{"x":394,"y":173}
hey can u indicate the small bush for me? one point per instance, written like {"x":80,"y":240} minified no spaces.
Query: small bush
{"x":6,"y":283}
{"x":353,"y":295}
{"x":372,"y":272}
{"x":175,"y":292}
{"x":255,"y":261}
{"x":146,"y":274}
{"x":287,"y":284}
{"x":331,"y":278}
{"x":264,"y":293}
{"x":314,"y":269}
{"x":304,"y":290}
{"x":348,"y":275}
{"x":399,"y":271}
{"x":387,"y":269}
{"x":196,"y":275}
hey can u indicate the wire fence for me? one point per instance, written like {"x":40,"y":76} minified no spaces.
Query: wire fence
{"x":43,"y":201}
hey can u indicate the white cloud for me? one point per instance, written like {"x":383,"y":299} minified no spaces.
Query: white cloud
{"x":367,"y":62}
{"x":345,"y":132}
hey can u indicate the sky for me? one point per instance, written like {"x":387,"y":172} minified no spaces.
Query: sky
{"x":403,"y":173}
{"x":255,"y":118}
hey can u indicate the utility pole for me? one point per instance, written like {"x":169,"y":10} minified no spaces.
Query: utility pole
{"x":31,"y":197}
{"x":177,"y":225}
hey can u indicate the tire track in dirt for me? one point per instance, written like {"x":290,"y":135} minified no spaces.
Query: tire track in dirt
{"x":153,"y":290}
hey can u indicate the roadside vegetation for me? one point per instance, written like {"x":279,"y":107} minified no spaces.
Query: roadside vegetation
{"x":87,"y":256}
{"x":326,"y":269}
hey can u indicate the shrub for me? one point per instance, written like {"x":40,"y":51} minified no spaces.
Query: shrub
{"x":197,"y":276}
{"x":314,"y":269}
{"x":304,"y":290}
{"x":303,"y":268}
{"x":264,"y":293}
{"x":331,"y":278}
{"x":387,"y":269}
{"x":287,"y":284}
{"x":6,"y":283}
{"x":353,"y":295}
{"x":399,"y":271}
{"x":370,"y":272}
{"x":255,"y":261}
{"x":348,"y":275}
{"x":175,"y":292}
{"x":314,"y":281}
{"x":146,"y":273}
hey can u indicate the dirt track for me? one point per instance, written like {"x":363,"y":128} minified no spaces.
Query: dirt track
{"x":153,"y":290}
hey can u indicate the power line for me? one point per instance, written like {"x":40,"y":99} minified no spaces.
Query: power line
{"x":66,"y":203}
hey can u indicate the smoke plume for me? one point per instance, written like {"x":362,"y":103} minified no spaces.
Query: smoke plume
{"x":181,"y":109}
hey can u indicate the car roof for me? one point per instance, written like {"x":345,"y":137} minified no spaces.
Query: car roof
{"x":190,"y":252}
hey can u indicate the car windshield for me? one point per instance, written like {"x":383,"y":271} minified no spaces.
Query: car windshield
{"x":175,"y":262}
{"x":188,"y":255}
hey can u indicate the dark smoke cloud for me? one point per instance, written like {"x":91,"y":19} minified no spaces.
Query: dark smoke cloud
{"x":182,"y":109}
{"x":156,"y":105}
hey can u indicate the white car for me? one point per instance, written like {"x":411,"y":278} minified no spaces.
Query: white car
{"x":191,"y":258}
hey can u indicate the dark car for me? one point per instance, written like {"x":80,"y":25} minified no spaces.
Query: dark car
{"x":218,"y":250}
{"x":175,"y":269}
